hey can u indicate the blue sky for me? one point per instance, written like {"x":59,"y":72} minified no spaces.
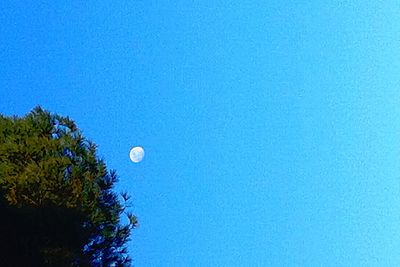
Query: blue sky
{"x":271,"y":128}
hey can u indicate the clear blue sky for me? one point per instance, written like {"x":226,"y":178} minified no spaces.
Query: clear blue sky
{"x":271,"y":128}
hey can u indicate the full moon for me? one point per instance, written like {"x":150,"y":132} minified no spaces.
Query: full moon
{"x":136,"y":154}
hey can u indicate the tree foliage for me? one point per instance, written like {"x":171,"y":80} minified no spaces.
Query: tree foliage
{"x":57,"y":203}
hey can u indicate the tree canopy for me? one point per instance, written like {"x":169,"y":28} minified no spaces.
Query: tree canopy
{"x":57,"y":203}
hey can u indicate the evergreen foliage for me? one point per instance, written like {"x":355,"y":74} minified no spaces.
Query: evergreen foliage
{"x":56,"y":199}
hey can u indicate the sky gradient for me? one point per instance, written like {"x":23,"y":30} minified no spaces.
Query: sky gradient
{"x":271,"y":128}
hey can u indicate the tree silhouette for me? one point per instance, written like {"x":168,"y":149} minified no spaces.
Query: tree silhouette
{"x":57,"y":203}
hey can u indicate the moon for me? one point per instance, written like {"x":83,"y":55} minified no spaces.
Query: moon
{"x":136,"y":154}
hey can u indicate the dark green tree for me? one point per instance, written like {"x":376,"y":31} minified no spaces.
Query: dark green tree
{"x":57,"y":203}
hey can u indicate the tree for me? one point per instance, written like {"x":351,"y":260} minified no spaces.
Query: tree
{"x":57,"y":203}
